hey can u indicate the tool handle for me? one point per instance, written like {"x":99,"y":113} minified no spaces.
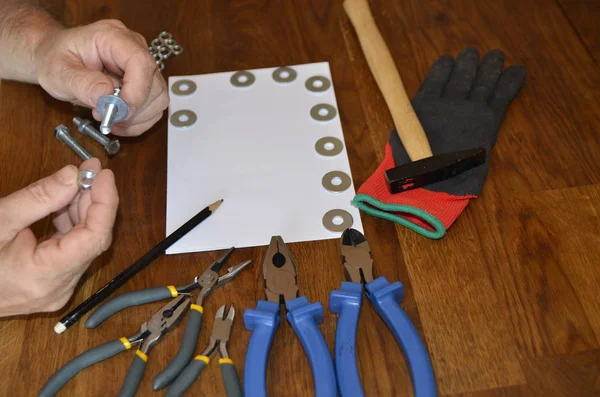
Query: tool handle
{"x":304,"y":318}
{"x":386,"y":298}
{"x":263,"y":322}
{"x":187,"y":377}
{"x":347,"y":302}
{"x":231,"y":380}
{"x":388,"y":80}
{"x":84,"y":360}
{"x":185,"y":352}
{"x":128,"y":300}
{"x":134,"y":375}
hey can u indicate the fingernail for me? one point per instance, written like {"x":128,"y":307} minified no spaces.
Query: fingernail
{"x":98,"y":90}
{"x":67,"y":175}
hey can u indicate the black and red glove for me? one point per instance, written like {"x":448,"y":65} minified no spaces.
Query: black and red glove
{"x":461,"y":105}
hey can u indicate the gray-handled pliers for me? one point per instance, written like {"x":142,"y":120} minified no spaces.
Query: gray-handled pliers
{"x":218,"y":341}
{"x":149,"y":334}
{"x":207,"y":282}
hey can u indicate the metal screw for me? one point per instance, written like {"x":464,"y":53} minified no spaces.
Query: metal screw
{"x":85,"y":127}
{"x":62,"y":134}
{"x":112,"y":109}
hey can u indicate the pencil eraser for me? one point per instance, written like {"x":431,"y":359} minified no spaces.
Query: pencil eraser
{"x":59,"y":328}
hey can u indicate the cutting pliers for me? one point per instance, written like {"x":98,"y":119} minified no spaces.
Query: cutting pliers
{"x":207,"y":282}
{"x":385,"y":298}
{"x":218,"y":341}
{"x":149,"y":334}
{"x":279,"y":272}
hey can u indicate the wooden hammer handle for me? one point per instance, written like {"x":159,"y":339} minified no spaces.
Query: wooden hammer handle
{"x":388,"y":80}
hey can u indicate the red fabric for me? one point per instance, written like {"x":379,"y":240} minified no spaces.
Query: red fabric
{"x":443,"y":206}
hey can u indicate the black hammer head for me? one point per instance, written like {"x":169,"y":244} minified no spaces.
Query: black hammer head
{"x":432,"y":169}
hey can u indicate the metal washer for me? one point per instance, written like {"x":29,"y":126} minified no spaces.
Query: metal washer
{"x":178,"y":123}
{"x":338,"y":146}
{"x":292,"y":74}
{"x":310,"y":84}
{"x":121,"y":105}
{"x":249,"y":79}
{"x":327,"y":181}
{"x":178,"y":90}
{"x":330,"y":115}
{"x":332,"y":214}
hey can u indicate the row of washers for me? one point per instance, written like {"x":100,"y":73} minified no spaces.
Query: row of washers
{"x":285,"y":74}
{"x":163,"y":47}
{"x":335,"y":220}
{"x":319,"y":112}
{"x":326,"y":146}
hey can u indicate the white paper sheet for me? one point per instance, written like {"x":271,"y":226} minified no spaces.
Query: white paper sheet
{"x":254,"y":147}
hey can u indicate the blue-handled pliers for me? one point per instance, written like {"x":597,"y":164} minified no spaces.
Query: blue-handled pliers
{"x":385,"y":298}
{"x":279,"y":272}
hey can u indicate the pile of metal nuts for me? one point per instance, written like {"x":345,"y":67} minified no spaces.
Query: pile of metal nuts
{"x":162,"y":47}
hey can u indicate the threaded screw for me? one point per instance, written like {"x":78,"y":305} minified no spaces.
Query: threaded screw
{"x":85,"y":127}
{"x":62,"y":134}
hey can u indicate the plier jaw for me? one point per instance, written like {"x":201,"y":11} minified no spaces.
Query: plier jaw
{"x":279,"y":272}
{"x":210,"y":279}
{"x":221,"y":332}
{"x":163,"y":321}
{"x":356,"y":257}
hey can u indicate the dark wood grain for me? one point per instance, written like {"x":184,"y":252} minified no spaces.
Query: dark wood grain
{"x":584,"y":16}
{"x":506,"y":302}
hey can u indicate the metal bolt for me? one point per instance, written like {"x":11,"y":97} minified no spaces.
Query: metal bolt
{"x":85,"y":127}
{"x":112,"y":109}
{"x":62,"y":134}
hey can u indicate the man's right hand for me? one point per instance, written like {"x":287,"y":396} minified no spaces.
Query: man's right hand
{"x":41,"y":277}
{"x":83,"y":63}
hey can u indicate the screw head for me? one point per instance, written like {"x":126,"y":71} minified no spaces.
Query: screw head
{"x":60,"y":131}
{"x":113,"y":147}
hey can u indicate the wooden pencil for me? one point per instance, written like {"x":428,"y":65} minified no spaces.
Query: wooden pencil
{"x":110,"y":287}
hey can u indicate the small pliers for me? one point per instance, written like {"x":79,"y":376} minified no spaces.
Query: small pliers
{"x":218,"y":339}
{"x":385,"y":298}
{"x":163,"y":321}
{"x":279,"y":272}
{"x":206,"y":283}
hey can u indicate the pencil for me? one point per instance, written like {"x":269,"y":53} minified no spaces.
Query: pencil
{"x":110,"y":287}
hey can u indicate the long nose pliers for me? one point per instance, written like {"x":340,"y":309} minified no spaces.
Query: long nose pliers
{"x":206,"y":283}
{"x":279,"y":272}
{"x":150,"y":333}
{"x":385,"y":298}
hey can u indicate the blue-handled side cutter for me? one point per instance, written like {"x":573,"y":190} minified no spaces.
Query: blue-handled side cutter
{"x":385,"y":298}
{"x":279,"y":272}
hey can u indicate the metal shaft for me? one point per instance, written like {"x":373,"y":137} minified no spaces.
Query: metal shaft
{"x":109,"y":116}
{"x":62,"y":134}
{"x":85,"y":127}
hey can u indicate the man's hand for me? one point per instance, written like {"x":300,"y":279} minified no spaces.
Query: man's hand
{"x":74,"y":65}
{"x":41,"y":277}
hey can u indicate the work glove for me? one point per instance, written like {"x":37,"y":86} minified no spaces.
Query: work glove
{"x":461,"y":105}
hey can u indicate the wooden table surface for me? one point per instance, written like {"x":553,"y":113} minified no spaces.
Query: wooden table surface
{"x":507,"y":302}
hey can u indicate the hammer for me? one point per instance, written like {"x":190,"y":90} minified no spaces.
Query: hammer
{"x":424,"y":168}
